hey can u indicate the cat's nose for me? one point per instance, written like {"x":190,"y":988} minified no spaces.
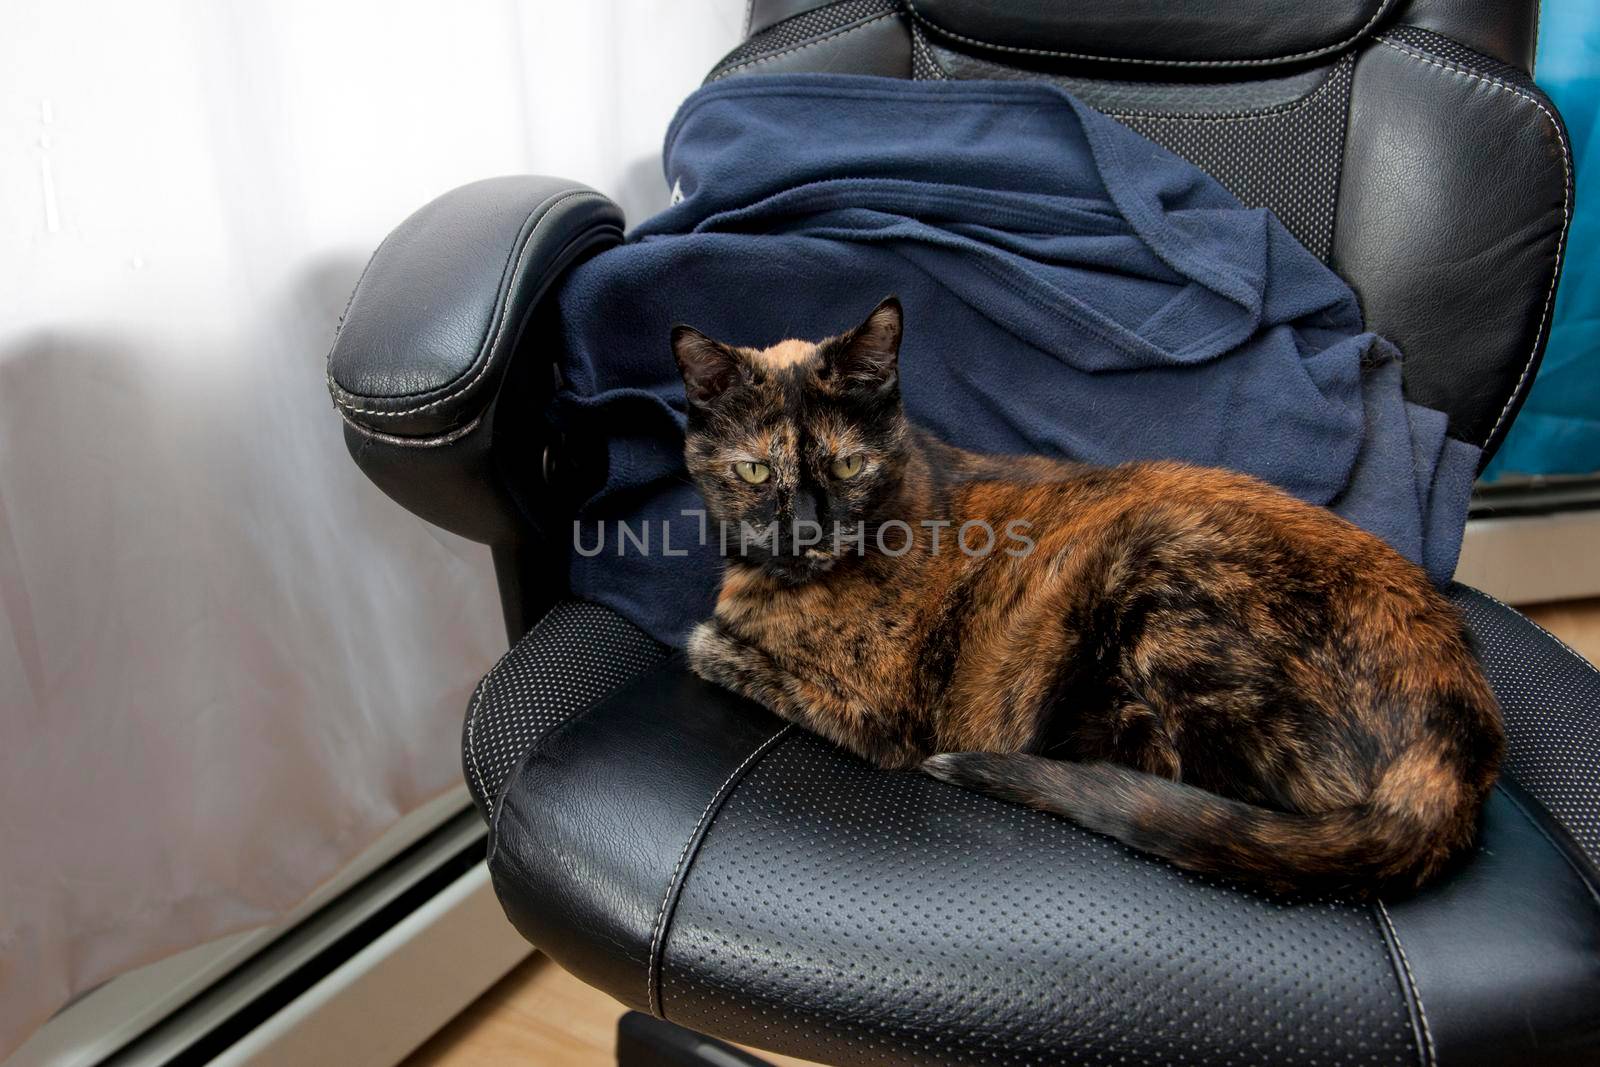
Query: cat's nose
{"x":805,"y":506}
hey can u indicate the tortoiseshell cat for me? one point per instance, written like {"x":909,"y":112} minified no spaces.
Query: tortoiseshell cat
{"x":1186,"y":659}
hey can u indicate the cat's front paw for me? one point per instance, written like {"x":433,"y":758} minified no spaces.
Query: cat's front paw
{"x":709,"y":652}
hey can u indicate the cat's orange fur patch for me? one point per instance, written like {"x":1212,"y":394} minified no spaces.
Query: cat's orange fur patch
{"x":783,"y":354}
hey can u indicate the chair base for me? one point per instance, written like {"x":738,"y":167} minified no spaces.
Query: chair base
{"x":644,"y":1041}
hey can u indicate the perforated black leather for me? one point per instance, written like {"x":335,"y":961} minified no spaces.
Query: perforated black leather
{"x":854,"y":916}
{"x":1276,"y":143}
{"x":681,"y":849}
{"x":924,"y":66}
{"x":575,"y":655}
{"x":1285,"y":158}
{"x":1451,"y":51}
{"x":1551,"y":706}
{"x":801,"y":31}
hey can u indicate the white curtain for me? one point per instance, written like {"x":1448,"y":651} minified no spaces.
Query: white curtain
{"x":227,"y":663}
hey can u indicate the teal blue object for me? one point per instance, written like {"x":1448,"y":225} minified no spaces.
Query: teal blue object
{"x":1558,"y":431}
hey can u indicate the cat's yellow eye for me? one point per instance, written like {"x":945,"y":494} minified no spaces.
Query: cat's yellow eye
{"x":754,"y":473}
{"x":847,"y":467}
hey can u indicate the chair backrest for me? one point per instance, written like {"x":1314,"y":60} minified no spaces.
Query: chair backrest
{"x":1401,"y":140}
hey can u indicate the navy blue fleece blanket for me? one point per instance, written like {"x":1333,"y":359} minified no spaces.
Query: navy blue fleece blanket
{"x":1070,"y":288}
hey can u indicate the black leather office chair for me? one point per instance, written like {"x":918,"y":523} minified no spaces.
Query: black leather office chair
{"x":700,"y":861}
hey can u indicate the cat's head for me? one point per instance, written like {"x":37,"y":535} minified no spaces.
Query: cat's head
{"x":796,"y":438}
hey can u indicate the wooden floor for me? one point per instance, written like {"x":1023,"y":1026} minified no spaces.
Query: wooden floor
{"x":540,"y":1016}
{"x":1577,"y":622}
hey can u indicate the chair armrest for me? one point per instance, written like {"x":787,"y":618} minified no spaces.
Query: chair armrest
{"x":430,"y":333}
{"x":1550,"y":699}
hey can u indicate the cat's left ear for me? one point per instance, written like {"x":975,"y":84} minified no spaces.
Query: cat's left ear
{"x":869,"y":355}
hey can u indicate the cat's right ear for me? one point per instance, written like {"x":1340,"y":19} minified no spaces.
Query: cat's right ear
{"x":868,"y":356}
{"x":710,"y":368}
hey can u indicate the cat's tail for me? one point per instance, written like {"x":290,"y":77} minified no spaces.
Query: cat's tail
{"x":1397,"y":839}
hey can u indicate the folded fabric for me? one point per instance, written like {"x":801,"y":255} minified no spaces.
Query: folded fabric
{"x":1070,"y":289}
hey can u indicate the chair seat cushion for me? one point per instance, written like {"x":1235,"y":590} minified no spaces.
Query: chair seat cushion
{"x":696,"y":858}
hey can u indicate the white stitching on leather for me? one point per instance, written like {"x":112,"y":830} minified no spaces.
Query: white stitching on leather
{"x":936,"y":28}
{"x":413,"y":442}
{"x":806,"y":44}
{"x":651,"y":965}
{"x":919,"y":45}
{"x":1570,"y":650}
{"x":472,"y":750}
{"x":1566,"y":212}
{"x":488,"y":353}
{"x":1431,"y":1054}
{"x":521,"y":761}
{"x":477,"y":703}
{"x":547,"y":207}
{"x":1239,"y":116}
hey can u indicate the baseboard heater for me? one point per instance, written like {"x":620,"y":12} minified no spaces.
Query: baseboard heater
{"x":1533,"y":541}
{"x":360,"y":981}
